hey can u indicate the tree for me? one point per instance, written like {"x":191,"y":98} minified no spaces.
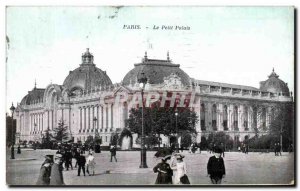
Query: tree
{"x":161,"y":120}
{"x":114,"y":139}
{"x":10,"y":130}
{"x":61,"y":133}
{"x":89,"y":140}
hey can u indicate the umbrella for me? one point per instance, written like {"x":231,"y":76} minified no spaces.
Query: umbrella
{"x":163,"y":152}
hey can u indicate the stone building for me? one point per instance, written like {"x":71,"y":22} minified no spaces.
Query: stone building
{"x":86,"y":102}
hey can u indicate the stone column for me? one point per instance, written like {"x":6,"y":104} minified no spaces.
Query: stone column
{"x":241,"y":118}
{"x":229,"y":118}
{"x":250,"y":122}
{"x":208,"y":116}
{"x":85,"y":124}
{"x":220,"y":117}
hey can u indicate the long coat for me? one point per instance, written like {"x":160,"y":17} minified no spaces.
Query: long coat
{"x":44,"y":177}
{"x":163,"y":178}
{"x":216,"y":167}
{"x":56,"y":175}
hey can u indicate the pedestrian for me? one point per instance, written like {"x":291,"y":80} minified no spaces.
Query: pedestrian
{"x":113,"y":153}
{"x":19,"y":150}
{"x":90,"y":168}
{"x":291,"y":148}
{"x":181,"y":171}
{"x":278,"y":149}
{"x":45,"y":171}
{"x":223,"y":149}
{"x":247,"y":149}
{"x":216,"y":167}
{"x":81,"y":164}
{"x":275,"y":149}
{"x":56,"y":177}
{"x":76,"y":156}
{"x":68,"y":160}
{"x":164,"y":171}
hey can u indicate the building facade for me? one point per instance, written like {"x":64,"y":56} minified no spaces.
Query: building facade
{"x":88,"y":102}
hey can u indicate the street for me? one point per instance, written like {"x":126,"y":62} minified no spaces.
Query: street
{"x":253,"y":168}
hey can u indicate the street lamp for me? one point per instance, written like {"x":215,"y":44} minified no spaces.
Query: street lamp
{"x":12,"y":109}
{"x":143,"y":81}
{"x":177,"y":144}
{"x":95,"y":121}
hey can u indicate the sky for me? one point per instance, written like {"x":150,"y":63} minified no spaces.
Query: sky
{"x":237,"y":45}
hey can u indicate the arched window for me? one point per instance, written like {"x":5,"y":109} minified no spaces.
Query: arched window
{"x":246,"y":119}
{"x":225,"y":118}
{"x":235,"y":118}
{"x":214,"y":117}
{"x":202,"y":114}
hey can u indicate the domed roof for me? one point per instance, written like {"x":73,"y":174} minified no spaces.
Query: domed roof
{"x":155,"y":71}
{"x":33,"y":97}
{"x":87,"y":76}
{"x":274,"y":84}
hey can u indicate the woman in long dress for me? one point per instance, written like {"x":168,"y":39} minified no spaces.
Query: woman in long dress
{"x":45,"y":171}
{"x":181,"y":171}
{"x":164,"y":171}
{"x":91,"y":164}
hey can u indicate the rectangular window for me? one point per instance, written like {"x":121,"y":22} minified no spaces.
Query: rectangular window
{"x":225,"y":125}
{"x":203,"y":125}
{"x":214,"y":125}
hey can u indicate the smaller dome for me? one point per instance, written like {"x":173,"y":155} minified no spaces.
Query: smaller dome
{"x":274,"y":84}
{"x":34,"y":96}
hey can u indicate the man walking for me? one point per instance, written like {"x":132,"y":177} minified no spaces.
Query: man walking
{"x":216,"y":167}
{"x":81,"y":164}
{"x":56,"y":171}
{"x":113,"y":152}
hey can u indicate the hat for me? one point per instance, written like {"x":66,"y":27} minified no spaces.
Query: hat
{"x":167,"y":157}
{"x":218,"y":150}
{"x":50,"y":157}
{"x":179,"y":156}
{"x":58,"y":156}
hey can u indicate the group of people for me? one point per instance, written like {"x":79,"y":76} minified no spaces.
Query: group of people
{"x":175,"y":172}
{"x":52,"y":175}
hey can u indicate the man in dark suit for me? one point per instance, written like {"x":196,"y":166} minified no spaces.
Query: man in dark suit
{"x":216,"y":167}
{"x":113,"y":152}
{"x":81,"y":164}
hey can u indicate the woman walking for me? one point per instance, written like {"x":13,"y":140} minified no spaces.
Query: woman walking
{"x":91,"y":164}
{"x":164,"y":171}
{"x":45,"y":171}
{"x":181,"y":171}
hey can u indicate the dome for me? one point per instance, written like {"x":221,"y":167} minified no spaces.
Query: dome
{"x":87,"y":76}
{"x":33,"y":97}
{"x":155,"y":71}
{"x":274,"y":84}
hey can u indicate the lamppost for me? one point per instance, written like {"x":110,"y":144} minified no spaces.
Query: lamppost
{"x":95,"y":121}
{"x":177,"y":144}
{"x":143,"y":81}
{"x":12,"y":109}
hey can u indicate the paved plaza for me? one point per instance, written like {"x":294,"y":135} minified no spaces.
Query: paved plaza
{"x":254,"y":168}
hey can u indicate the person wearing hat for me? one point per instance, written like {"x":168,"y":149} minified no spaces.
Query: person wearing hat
{"x":181,"y":171}
{"x":91,"y":164}
{"x":164,"y":171}
{"x":56,"y":171}
{"x":81,"y":164}
{"x":45,"y":171}
{"x":216,"y":167}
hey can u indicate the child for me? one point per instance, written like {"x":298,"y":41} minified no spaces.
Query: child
{"x":216,"y":167}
